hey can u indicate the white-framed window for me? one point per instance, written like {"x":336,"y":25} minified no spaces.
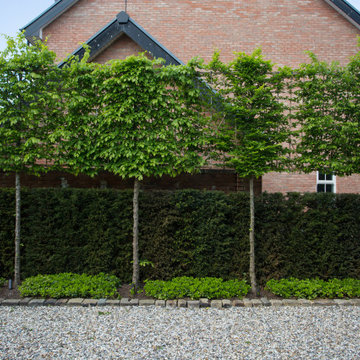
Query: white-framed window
{"x":325,"y":182}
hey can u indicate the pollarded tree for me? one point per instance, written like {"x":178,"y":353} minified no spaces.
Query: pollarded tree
{"x":253,"y":129}
{"x":29,"y":102}
{"x":148,"y":123}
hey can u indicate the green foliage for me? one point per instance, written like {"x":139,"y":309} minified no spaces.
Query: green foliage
{"x":184,"y":233}
{"x":2,"y":281}
{"x":75,"y":134}
{"x":29,"y":106}
{"x":196,"y":288}
{"x":326,"y":109}
{"x":314,"y":288}
{"x":308,"y":236}
{"x":150,"y":120}
{"x":252,"y":134}
{"x":71,"y":285}
{"x":132,"y":117}
{"x":7,"y":233}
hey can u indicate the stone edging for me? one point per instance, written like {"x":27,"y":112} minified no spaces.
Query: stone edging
{"x":202,"y":303}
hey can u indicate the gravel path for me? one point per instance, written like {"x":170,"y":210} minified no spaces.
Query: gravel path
{"x":177,"y":333}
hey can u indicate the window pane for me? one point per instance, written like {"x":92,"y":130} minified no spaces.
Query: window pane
{"x":321,"y":188}
{"x":329,"y":177}
{"x":321,"y":176}
{"x":329,"y":188}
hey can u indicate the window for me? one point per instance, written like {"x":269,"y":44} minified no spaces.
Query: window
{"x":325,"y":182}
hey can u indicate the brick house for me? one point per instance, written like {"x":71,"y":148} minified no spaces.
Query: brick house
{"x":178,"y":30}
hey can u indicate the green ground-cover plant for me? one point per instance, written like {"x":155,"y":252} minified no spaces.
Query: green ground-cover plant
{"x":71,"y":285}
{"x":314,"y":288}
{"x":196,"y":288}
{"x":2,"y":281}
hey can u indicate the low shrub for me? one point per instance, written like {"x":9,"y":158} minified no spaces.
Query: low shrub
{"x":71,"y":286}
{"x":196,"y":288}
{"x":314,"y":288}
{"x":2,"y":281}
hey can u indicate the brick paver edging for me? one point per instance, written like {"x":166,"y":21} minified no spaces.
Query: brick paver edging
{"x":202,"y":303}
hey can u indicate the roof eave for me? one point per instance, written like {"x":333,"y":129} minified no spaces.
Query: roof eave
{"x":346,"y":10}
{"x":34,"y":28}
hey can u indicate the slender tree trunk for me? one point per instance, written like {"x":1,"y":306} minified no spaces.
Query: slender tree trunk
{"x":17,"y":228}
{"x":135,"y":277}
{"x":252,"y":239}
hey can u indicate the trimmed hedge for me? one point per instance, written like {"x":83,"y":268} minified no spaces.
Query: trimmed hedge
{"x":183,"y":233}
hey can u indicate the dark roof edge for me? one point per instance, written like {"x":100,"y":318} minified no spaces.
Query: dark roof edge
{"x":177,"y":60}
{"x":123,"y":24}
{"x":34,"y":27}
{"x":347,"y":10}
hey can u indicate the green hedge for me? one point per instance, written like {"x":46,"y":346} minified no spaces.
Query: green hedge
{"x":183,"y":233}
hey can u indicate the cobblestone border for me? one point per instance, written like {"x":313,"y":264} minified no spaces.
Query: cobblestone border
{"x":193,"y":304}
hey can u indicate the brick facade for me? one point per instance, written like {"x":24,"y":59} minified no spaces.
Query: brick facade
{"x":284,"y":29}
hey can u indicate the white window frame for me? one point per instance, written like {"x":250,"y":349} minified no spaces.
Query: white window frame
{"x":325,"y":182}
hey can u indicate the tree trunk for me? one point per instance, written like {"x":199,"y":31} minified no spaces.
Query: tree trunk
{"x":17,"y":229}
{"x":135,"y":277}
{"x":252,"y":239}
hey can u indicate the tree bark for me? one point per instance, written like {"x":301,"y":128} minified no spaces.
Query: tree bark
{"x":252,"y":239}
{"x":17,"y":229}
{"x":135,"y":277}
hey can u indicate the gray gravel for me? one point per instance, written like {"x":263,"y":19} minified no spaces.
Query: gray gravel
{"x":178,"y":333}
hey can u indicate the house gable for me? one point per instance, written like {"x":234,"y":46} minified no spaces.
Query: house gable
{"x":192,"y":28}
{"x":124,"y":25}
{"x":34,"y":28}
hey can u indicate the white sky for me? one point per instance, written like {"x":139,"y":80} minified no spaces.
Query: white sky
{"x":14,"y":14}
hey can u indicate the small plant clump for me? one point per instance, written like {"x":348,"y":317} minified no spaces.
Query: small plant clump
{"x":2,"y":281}
{"x":196,"y":288}
{"x":314,"y":288}
{"x":71,"y":286}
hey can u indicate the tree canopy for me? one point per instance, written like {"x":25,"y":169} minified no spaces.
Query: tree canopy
{"x":326,"y":112}
{"x":29,"y":104}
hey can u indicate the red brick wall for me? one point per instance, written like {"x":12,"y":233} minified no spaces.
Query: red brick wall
{"x":283,"y":28}
{"x":120,"y":49}
{"x":348,"y":184}
{"x":275,"y":182}
{"x":209,"y":179}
